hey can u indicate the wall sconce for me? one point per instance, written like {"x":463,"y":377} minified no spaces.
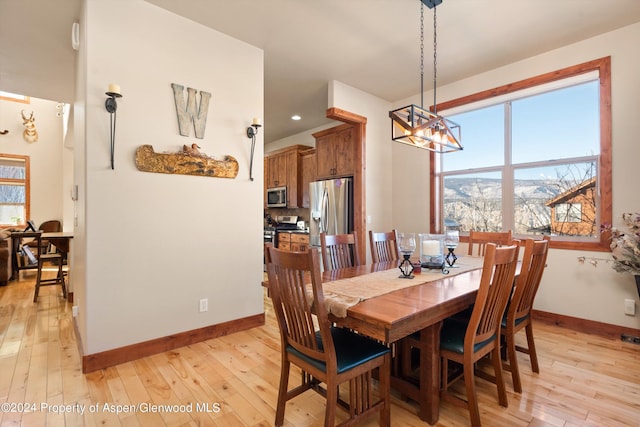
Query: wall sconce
{"x":252,"y":131}
{"x":111,"y":105}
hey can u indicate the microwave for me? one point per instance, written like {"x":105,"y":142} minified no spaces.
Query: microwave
{"x":277,"y":197}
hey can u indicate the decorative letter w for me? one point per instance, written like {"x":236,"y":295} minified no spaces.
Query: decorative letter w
{"x":189,"y":114}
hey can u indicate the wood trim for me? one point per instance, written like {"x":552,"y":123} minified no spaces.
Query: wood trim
{"x":116,"y":356}
{"x":346,"y":116}
{"x":583,"y":325}
{"x":288,"y":148}
{"x":26,"y":100}
{"x":603,"y":66}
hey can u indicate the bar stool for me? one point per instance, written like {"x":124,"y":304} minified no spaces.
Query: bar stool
{"x":56,"y":258}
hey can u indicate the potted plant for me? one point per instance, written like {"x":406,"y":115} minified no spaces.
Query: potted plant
{"x":625,"y":246}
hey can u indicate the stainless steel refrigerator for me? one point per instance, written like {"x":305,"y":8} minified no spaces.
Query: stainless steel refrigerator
{"x":331,"y":208}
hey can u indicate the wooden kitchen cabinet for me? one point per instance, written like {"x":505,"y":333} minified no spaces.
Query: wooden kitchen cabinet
{"x":284,"y":241}
{"x":282,"y":168}
{"x":335,"y":152}
{"x":308,"y":164}
{"x":299,"y":242}
{"x":295,"y":242}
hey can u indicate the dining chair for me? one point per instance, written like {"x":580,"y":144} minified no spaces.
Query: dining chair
{"x":330,"y":355}
{"x":339,"y":250}
{"x":518,"y":312}
{"x":50,"y":226}
{"x":481,"y":238}
{"x":384,"y":246}
{"x":467,"y":342}
{"x":56,"y":259}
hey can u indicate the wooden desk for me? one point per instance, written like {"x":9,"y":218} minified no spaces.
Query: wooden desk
{"x":59,"y":239}
{"x":395,"y":315}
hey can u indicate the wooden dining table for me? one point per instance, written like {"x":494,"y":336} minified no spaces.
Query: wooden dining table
{"x":420,"y":307}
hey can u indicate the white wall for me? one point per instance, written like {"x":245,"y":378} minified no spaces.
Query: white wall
{"x":568,"y":287}
{"x":158,"y":243}
{"x":45,"y":155}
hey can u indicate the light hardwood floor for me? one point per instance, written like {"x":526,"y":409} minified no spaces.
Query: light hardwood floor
{"x":232,"y":381}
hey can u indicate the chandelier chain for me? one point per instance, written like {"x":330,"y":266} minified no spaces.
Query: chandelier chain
{"x":421,"y":55}
{"x":435,"y":58}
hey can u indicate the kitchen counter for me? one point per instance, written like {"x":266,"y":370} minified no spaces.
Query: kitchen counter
{"x":294,"y":231}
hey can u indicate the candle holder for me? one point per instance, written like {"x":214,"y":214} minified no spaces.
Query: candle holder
{"x":432,"y":251}
{"x":451,"y":240}
{"x":111,"y":105}
{"x":407,"y":245}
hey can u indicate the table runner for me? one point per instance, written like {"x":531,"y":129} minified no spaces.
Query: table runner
{"x":341,"y":294}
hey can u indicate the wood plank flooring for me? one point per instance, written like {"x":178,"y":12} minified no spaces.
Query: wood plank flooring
{"x":232,"y":381}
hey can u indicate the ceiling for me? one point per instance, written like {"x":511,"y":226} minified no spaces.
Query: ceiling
{"x":372,"y":45}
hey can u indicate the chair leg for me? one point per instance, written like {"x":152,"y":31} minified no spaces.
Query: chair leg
{"x":513,"y":363}
{"x":38,"y":278}
{"x":497,"y":366}
{"x":532,"y":348}
{"x":332,"y":403}
{"x":61,"y":279}
{"x":282,"y":392}
{"x":472,"y":399}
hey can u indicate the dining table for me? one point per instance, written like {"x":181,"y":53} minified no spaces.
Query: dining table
{"x":418,"y":305}
{"x":374,"y":300}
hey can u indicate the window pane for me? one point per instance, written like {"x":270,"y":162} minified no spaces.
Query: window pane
{"x":474,"y":201}
{"x":12,"y":168}
{"x":560,"y":200}
{"x":560,"y":124}
{"x":482,"y":139}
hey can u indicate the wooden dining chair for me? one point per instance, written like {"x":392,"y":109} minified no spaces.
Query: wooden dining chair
{"x":329,"y":355}
{"x":384,"y":246}
{"x":339,"y":250}
{"x":481,"y":238}
{"x":518,"y":313}
{"x":51,"y":226}
{"x":467,"y":342}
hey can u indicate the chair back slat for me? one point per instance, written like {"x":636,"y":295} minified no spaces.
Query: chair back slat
{"x":384,"y":246}
{"x":296,"y":289}
{"x":479,"y":239}
{"x":339,"y":251}
{"x":534,"y":261}
{"x":495,"y":287}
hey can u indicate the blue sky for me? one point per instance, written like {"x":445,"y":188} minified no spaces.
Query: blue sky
{"x":555,"y":125}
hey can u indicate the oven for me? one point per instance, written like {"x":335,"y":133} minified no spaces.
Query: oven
{"x":269,"y":237}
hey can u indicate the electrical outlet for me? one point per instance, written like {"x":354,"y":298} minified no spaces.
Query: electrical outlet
{"x":74,"y":311}
{"x":204,"y":305}
{"x":629,"y":307}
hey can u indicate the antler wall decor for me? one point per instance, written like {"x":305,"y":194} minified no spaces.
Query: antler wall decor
{"x":30,"y":133}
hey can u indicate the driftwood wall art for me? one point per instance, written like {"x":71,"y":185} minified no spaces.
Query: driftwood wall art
{"x":190,"y":113}
{"x":187,"y":162}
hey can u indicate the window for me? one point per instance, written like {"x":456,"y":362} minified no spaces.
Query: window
{"x":568,"y":212}
{"x":536,"y":159}
{"x":14,"y":189}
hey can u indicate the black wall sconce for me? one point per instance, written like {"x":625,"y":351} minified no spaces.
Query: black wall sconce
{"x":252,"y":131}
{"x":112,"y":106}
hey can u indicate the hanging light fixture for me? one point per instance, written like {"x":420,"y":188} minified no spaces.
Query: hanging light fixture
{"x":413,"y":125}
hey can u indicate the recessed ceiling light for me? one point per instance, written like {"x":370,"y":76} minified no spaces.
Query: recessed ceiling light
{"x":295,"y":117}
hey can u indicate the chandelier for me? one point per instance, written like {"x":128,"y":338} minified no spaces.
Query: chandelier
{"x":416,"y":126}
